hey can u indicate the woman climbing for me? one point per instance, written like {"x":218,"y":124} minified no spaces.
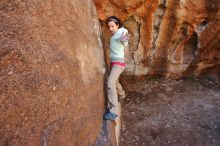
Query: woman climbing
{"x":118,"y":42}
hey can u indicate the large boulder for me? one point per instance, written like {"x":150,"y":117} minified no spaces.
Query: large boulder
{"x":51,"y":73}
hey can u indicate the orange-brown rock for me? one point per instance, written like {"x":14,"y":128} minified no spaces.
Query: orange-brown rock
{"x":51,"y":73}
{"x":171,"y":38}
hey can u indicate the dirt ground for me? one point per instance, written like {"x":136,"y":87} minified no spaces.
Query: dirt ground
{"x":163,"y":112}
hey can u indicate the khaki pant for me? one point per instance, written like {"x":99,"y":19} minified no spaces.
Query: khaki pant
{"x":114,"y":87}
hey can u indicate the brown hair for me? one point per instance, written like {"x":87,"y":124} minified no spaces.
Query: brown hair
{"x":115,"y":19}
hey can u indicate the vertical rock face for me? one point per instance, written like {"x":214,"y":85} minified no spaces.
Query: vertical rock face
{"x":171,"y":38}
{"x":51,"y":73}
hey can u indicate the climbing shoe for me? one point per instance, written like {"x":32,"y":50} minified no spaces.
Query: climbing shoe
{"x":109,"y":116}
{"x":121,"y":97}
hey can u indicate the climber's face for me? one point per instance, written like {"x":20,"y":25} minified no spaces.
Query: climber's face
{"x":113,"y":27}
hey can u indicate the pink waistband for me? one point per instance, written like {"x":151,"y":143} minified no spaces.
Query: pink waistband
{"x":117,"y":63}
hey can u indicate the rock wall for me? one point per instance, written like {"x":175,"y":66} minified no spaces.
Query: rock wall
{"x":171,"y":38}
{"x":51,"y":73}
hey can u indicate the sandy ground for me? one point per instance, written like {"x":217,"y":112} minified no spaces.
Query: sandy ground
{"x":162,"y":112}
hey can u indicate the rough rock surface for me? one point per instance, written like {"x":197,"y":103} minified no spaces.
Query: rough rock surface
{"x":171,"y":38}
{"x":51,"y":73}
